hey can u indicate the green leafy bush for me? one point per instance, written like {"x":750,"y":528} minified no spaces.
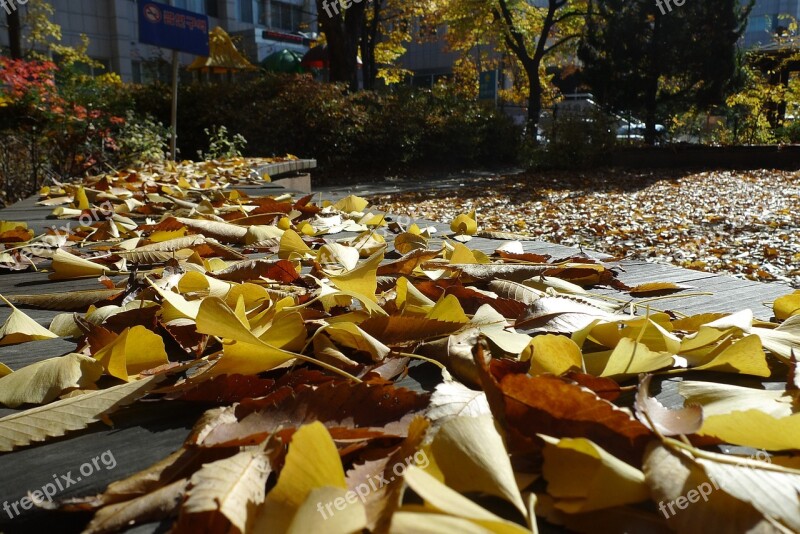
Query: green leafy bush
{"x":575,"y":141}
{"x":365,"y":131}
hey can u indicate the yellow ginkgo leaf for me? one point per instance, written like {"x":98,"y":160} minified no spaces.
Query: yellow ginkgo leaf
{"x":786,"y":306}
{"x":411,"y":299}
{"x":67,"y":266}
{"x":81,"y":200}
{"x":329,"y":509}
{"x":292,"y":245}
{"x":198,"y":283}
{"x":754,"y":428}
{"x":351,"y":203}
{"x":246,"y":354}
{"x":583,"y":477}
{"x":311,"y":475}
{"x":465,"y":224}
{"x":462,"y":255}
{"x":133,"y":351}
{"x":745,"y":356}
{"x":340,"y":255}
{"x":471,"y":455}
{"x":312,"y":462}
{"x":363,"y":279}
{"x":554,"y":354}
{"x":20,"y":328}
{"x":628,"y":358}
{"x":453,"y":510}
{"x":176,"y":305}
{"x":43,"y":381}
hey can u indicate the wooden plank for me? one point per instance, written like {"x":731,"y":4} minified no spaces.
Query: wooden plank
{"x":147,"y":432}
{"x":142,"y":434}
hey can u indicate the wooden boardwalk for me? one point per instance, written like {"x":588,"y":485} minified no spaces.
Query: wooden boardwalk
{"x":142,"y":435}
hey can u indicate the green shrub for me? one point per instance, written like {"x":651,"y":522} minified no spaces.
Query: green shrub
{"x":365,"y":131}
{"x":575,"y":141}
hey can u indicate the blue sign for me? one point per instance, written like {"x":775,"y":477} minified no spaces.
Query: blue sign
{"x":172,"y":27}
{"x":488,"y":85}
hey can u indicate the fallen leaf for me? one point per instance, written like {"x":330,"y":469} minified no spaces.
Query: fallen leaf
{"x":74,"y":413}
{"x":133,"y":351}
{"x":43,"y":381}
{"x":232,"y":487}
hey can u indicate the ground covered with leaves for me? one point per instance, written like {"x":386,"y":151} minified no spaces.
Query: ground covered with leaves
{"x":300,"y":324}
{"x":741,"y":222}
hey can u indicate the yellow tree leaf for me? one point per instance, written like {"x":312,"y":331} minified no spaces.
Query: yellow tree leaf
{"x":20,"y":328}
{"x":445,"y":510}
{"x":351,"y":203}
{"x":754,"y":428}
{"x":628,"y":358}
{"x":67,"y":266}
{"x":786,"y":306}
{"x":133,"y":351}
{"x":363,"y":279}
{"x":721,"y":399}
{"x":583,"y":477}
{"x":472,"y":457}
{"x":745,"y":356}
{"x":292,"y":245}
{"x":312,"y":473}
{"x":248,"y":354}
{"x":81,"y":200}
{"x":43,"y":381}
{"x":465,"y":224}
{"x":554,"y":354}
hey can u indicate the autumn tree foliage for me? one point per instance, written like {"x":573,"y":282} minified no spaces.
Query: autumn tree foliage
{"x":653,"y":62}
{"x":534,"y":35}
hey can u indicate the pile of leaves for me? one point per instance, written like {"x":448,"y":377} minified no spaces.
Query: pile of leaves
{"x":741,"y":222}
{"x":302,"y":344}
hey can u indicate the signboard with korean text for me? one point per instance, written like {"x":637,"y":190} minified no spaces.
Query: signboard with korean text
{"x":173,"y":28}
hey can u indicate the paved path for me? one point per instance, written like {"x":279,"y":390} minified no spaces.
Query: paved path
{"x":142,"y":435}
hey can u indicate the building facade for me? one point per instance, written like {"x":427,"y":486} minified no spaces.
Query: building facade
{"x":258,"y":27}
{"x":767,"y":17}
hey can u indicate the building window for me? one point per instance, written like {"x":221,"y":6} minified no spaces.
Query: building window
{"x":263,"y":12}
{"x":195,"y":6}
{"x":246,"y":11}
{"x":286,"y":16}
{"x":212,"y":8}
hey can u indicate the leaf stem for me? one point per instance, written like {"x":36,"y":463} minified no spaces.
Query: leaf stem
{"x":423,"y":358}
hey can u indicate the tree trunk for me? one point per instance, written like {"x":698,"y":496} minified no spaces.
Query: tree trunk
{"x":369,"y":40}
{"x":342,"y":31}
{"x":651,"y":89}
{"x":15,"y":34}
{"x":534,"y":105}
